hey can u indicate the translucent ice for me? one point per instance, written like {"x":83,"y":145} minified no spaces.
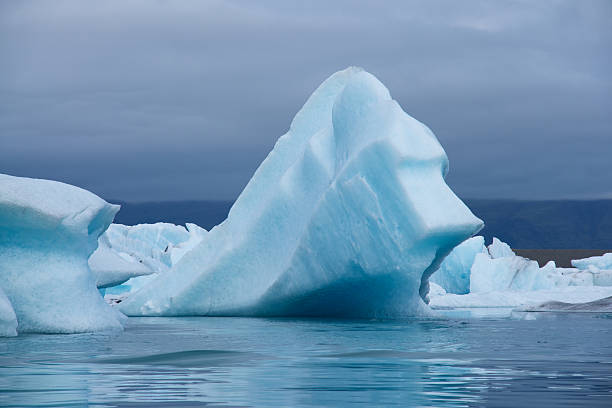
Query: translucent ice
{"x":454,"y":272}
{"x":48,"y":230}
{"x":348,"y":215}
{"x":8,"y":320}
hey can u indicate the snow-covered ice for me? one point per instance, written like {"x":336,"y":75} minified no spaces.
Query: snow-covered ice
{"x":126,"y":252}
{"x":600,"y":262}
{"x":48,"y":230}
{"x":599,"y":266}
{"x":454,"y":272}
{"x":498,"y":278}
{"x":514,"y":299}
{"x":347,"y":216}
{"x":8,"y":319}
{"x":133,"y":254}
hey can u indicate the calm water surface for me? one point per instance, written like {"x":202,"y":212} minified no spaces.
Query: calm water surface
{"x":534,"y":360}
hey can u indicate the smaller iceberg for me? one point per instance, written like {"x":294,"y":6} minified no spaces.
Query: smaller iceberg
{"x":129,"y":252}
{"x":454,"y":272}
{"x":48,"y":230}
{"x":599,"y":266}
{"x":600,"y":262}
{"x":498,"y":278}
{"x":517,"y":299}
{"x":499,"y":268}
{"x":596,"y":306}
{"x":8,"y":319}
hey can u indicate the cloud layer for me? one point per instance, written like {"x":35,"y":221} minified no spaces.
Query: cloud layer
{"x":158,"y":100}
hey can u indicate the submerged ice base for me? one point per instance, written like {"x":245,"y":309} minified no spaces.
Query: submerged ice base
{"x":48,"y":230}
{"x":348,"y":215}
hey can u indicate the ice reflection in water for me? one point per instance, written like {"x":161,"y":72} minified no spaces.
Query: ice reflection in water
{"x":553,"y":360}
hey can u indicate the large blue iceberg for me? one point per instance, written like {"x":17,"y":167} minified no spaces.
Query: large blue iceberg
{"x":48,"y":230}
{"x":348,"y":215}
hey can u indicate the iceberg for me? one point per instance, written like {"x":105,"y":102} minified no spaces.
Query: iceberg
{"x":126,"y":253}
{"x":499,"y":249}
{"x":8,"y":319}
{"x":596,"y":306}
{"x":599,"y":266}
{"x":454,"y":272}
{"x":500,"y":269}
{"x":600,"y":262}
{"x":519,"y":299}
{"x":349,"y":215}
{"x":48,"y":230}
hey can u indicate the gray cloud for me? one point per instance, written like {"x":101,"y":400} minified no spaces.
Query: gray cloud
{"x":144,"y":100}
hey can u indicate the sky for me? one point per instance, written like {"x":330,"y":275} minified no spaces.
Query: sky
{"x":179,"y":100}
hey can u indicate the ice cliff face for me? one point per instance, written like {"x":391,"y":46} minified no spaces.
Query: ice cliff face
{"x":347,"y":216}
{"x":47,"y":231}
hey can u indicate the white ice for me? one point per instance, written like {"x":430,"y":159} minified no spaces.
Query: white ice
{"x":498,"y":278}
{"x":125,"y":252}
{"x":499,"y":249}
{"x":135,"y":253}
{"x":347,"y":216}
{"x":600,"y":262}
{"x":499,"y":269}
{"x":596,"y":306}
{"x":48,"y":230}
{"x":599,"y":266}
{"x":515,"y":299}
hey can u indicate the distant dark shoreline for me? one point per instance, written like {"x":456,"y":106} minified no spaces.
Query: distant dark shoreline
{"x":562,"y":257}
{"x":552,"y":224}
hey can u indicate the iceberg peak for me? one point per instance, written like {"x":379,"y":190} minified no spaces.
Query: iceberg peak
{"x":348,"y":215}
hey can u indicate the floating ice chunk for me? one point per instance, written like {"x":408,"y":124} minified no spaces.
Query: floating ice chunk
{"x":600,"y":262}
{"x":126,"y":252}
{"x":500,"y":269}
{"x":348,"y":215}
{"x":149,"y":244}
{"x":454,"y":272}
{"x":48,"y":230}
{"x":112,"y":268}
{"x":595,"y":306}
{"x":8,"y":320}
{"x":512,"y":298}
{"x":489,"y":274}
{"x":499,"y":249}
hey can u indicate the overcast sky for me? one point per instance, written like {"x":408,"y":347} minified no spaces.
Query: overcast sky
{"x":160,"y":100}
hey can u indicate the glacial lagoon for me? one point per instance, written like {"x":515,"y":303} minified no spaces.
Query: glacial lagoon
{"x":464,"y":359}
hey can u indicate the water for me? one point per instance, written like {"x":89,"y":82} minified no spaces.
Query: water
{"x":536,"y":360}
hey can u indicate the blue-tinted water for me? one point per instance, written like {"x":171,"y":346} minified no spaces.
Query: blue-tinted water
{"x":534,"y":360}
